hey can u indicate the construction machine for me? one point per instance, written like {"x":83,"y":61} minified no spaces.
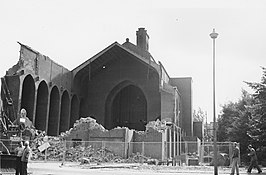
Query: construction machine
{"x":13,"y":129}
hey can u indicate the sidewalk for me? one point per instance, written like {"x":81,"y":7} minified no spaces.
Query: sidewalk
{"x":133,"y":168}
{"x":193,"y":170}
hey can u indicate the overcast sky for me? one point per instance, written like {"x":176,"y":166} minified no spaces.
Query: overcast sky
{"x":72,"y":31}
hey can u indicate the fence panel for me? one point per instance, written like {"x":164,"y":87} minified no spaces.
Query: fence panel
{"x":190,"y":153}
{"x":224,"y":152}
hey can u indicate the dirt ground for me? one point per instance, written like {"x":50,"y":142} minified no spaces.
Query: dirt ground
{"x":70,"y":168}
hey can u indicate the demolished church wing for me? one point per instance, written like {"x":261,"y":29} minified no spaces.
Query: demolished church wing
{"x":120,"y":86}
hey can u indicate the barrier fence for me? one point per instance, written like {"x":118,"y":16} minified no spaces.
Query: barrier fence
{"x":182,"y":153}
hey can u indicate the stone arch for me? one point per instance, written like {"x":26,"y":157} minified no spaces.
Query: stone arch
{"x":126,"y":105}
{"x":28,"y":96}
{"x":74,"y":110}
{"x":64,"y":114}
{"x":41,"y":106}
{"x":53,"y":112}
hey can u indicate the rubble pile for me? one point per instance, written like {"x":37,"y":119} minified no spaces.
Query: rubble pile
{"x":87,"y":123}
{"x":58,"y":151}
{"x":91,"y":121}
{"x":80,"y":153}
{"x":137,"y":158}
{"x":55,"y":150}
{"x":157,"y":125}
{"x":59,"y":148}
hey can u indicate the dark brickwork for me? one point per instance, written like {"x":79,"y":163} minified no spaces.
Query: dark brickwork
{"x":94,"y":89}
{"x":184,"y":86}
{"x":101,"y":85}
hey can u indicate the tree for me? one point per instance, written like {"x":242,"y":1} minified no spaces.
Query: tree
{"x":245,"y":121}
{"x":225,"y":121}
{"x":235,"y":122}
{"x":199,"y":115}
{"x":258,"y":112}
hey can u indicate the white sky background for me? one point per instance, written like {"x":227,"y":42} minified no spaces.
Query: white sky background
{"x":70,"y":32}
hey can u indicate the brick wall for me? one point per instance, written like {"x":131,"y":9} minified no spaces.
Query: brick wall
{"x":128,"y":69}
{"x":184,"y":85}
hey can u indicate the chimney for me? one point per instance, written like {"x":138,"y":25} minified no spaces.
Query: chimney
{"x":143,"y":39}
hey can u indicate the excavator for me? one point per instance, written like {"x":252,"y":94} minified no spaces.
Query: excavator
{"x":13,"y":129}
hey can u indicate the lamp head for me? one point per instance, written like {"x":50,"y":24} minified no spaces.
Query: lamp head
{"x":213,"y":34}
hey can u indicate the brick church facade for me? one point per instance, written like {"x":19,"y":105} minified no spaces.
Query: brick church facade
{"x":122,"y":85}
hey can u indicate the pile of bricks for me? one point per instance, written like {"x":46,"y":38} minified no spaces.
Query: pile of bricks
{"x":58,"y":152}
{"x":87,"y":123}
{"x":157,"y":125}
{"x":57,"y":149}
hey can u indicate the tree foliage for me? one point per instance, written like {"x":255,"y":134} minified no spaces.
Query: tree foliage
{"x":199,"y":115}
{"x":235,"y":122}
{"x":245,"y":120}
{"x":258,"y":111}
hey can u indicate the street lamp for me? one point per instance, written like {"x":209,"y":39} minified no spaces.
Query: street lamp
{"x":214,"y":35}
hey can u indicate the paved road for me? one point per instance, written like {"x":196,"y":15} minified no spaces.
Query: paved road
{"x":55,"y":168}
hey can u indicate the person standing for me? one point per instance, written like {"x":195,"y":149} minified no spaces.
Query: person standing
{"x":19,"y":151}
{"x":235,"y":159}
{"x":25,"y":158}
{"x":253,"y":160}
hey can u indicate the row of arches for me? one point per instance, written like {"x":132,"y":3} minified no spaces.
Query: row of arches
{"x":50,"y":110}
{"x":55,"y":111}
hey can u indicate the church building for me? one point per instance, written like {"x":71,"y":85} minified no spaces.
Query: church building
{"x":122,"y":85}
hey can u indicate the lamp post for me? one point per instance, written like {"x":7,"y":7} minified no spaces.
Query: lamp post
{"x":214,"y":35}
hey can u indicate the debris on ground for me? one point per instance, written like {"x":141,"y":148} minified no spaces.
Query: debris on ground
{"x":87,"y":123}
{"x":57,"y":148}
{"x":156,"y":125}
{"x":84,"y":155}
